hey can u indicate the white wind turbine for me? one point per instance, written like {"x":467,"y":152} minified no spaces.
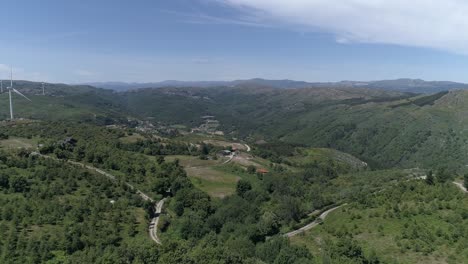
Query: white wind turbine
{"x":10,"y":89}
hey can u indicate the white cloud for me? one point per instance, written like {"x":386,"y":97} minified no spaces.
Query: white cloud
{"x":439,"y":24}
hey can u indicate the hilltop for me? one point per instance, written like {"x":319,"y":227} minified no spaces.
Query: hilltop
{"x":403,"y":85}
{"x":383,"y":128}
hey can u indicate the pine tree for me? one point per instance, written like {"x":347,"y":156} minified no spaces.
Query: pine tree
{"x":430,"y":178}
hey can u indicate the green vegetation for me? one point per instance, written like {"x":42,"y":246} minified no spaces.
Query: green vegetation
{"x":384,"y":132}
{"x":207,"y":175}
{"x":18,"y":143}
{"x":412,"y":222}
{"x":232,"y":229}
{"x":51,"y":212}
{"x":388,"y":157}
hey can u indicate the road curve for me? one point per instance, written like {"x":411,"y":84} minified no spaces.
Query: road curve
{"x":325,"y":214}
{"x":315,"y":223}
{"x":230,"y":158}
{"x":248,"y":147}
{"x":158,"y":207}
{"x":153,"y":228}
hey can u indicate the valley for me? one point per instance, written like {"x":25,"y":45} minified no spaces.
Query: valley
{"x":311,"y":172}
{"x":234,"y":132}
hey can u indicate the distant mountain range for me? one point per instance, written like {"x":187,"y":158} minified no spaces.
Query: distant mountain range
{"x":402,"y":85}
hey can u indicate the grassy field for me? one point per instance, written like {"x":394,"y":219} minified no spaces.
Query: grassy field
{"x":16,"y":143}
{"x":208,"y":175}
{"x":341,"y":160}
{"x":131,"y":138}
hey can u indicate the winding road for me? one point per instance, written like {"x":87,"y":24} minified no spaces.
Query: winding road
{"x":248,"y":147}
{"x":153,"y":228}
{"x":325,"y":214}
{"x":314,"y":223}
{"x":157,"y":207}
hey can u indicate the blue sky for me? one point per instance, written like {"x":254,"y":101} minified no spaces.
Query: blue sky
{"x":143,"y":40}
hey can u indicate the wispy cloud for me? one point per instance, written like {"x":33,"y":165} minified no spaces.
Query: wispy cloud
{"x":439,"y":24}
{"x":201,"y":18}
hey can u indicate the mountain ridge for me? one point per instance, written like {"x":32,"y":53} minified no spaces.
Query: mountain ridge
{"x":401,"y":84}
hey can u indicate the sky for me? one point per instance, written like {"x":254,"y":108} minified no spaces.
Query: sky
{"x":192,"y":40}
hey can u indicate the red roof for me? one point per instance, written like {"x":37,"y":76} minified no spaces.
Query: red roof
{"x":262,"y":171}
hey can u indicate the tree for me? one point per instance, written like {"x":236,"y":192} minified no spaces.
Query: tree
{"x":251,"y":169}
{"x":4,"y":180}
{"x":19,"y":183}
{"x":204,"y":149}
{"x":242,"y":187}
{"x":443,"y":175}
{"x":430,"y":178}
{"x":160,"y":160}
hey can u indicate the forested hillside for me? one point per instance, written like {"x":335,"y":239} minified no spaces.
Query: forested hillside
{"x":63,"y":102}
{"x":89,"y":218}
{"x":82,"y":185}
{"x":384,"y":129}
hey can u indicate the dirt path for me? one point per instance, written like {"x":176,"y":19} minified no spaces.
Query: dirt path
{"x":230,"y":159}
{"x":248,"y":147}
{"x":461,"y":187}
{"x":314,"y":223}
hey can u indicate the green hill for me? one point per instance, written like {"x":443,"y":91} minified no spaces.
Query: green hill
{"x":314,"y":144}
{"x":382,"y":128}
{"x":62,"y":102}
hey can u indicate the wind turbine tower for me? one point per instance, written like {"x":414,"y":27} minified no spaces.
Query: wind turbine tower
{"x":10,"y":89}
{"x":43,"y":91}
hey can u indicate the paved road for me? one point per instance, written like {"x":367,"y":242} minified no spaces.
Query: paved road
{"x":153,"y":228}
{"x":325,"y":214}
{"x":158,"y":207}
{"x":314,"y":223}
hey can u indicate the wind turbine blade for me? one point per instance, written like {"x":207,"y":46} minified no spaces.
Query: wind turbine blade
{"x":16,"y":91}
